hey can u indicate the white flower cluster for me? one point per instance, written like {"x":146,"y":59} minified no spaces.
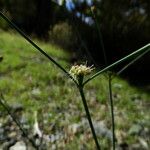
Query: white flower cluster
{"x":80,"y":70}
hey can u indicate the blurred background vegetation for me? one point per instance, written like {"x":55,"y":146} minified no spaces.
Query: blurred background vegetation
{"x":124,"y":26}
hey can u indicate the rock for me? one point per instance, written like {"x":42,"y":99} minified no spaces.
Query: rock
{"x":36,"y":92}
{"x":18,"y":146}
{"x":6,"y":145}
{"x":54,"y":147}
{"x":3,"y":137}
{"x":117,"y":86}
{"x":23,"y":120}
{"x":121,"y":136}
{"x":12,"y":127}
{"x":7,"y":128}
{"x":136,"y":146}
{"x":16,"y":107}
{"x":1,"y":131}
{"x":53,"y":138}
{"x":74,"y":128}
{"x":26,"y":127}
{"x":135,"y":129}
{"x":143,"y":143}
{"x":102,"y":130}
{"x":12,"y":134}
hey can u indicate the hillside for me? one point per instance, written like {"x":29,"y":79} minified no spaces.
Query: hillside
{"x":30,"y":83}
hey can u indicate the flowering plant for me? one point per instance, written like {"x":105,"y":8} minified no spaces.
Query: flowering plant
{"x":79,"y":71}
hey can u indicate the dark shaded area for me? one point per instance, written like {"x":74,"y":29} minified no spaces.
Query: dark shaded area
{"x":31,"y":16}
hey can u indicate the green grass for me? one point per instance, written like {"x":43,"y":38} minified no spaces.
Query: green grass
{"x":28,"y":78}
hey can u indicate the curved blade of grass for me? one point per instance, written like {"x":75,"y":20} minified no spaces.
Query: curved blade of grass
{"x":132,"y":62}
{"x":36,"y":46}
{"x":143,"y":49}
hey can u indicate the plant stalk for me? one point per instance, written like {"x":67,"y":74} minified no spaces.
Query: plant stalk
{"x":131,"y":63}
{"x":89,"y":116}
{"x":111,"y":110}
{"x":100,"y":36}
{"x":145,"y":48}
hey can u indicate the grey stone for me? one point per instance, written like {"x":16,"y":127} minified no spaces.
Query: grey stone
{"x":144,"y":143}
{"x":23,"y":120}
{"x":19,"y":146}
{"x":36,"y":92}
{"x":102,"y":130}
{"x":135,"y":129}
{"x":16,"y":107}
{"x":1,"y":131}
{"x":12,"y":134}
{"x":3,"y":137}
{"x":6,"y":145}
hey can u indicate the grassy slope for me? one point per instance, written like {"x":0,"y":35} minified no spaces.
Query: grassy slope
{"x":28,"y":78}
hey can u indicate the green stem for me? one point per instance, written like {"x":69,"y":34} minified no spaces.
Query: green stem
{"x":112,"y":110}
{"x":132,"y":62}
{"x":88,"y":116}
{"x":143,"y":49}
{"x":100,"y":36}
{"x":36,"y":46}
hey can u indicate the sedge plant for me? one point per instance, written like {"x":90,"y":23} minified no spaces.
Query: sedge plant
{"x":109,"y":75}
{"x":77,"y":74}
